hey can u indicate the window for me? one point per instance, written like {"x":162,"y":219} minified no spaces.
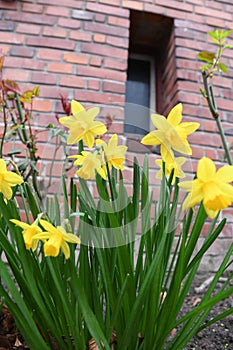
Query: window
{"x":140,"y":94}
{"x":150,"y":51}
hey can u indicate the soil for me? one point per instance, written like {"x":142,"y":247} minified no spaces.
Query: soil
{"x":216,"y":337}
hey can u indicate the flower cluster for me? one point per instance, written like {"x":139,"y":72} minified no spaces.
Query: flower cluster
{"x":211,"y":187}
{"x":84,"y":128}
{"x":54,"y":238}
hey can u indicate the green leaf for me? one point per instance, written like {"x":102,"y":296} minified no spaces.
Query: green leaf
{"x":206,"y":56}
{"x":222,"y":67}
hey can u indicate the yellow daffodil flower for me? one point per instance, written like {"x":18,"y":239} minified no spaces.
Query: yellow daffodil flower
{"x":56,"y":239}
{"x":29,"y":232}
{"x":8,"y":179}
{"x":82,"y":124}
{"x":89,"y":163}
{"x":171,"y":134}
{"x":210,"y":186}
{"x":114,"y":155}
{"x":170,"y":164}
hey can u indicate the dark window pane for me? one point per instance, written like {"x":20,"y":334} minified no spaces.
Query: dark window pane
{"x":137,"y":97}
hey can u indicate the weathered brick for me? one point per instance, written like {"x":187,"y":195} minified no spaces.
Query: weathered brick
{"x":99,"y":17}
{"x":16,"y":74}
{"x":68,"y":3}
{"x":99,"y":38}
{"x":83,"y":15}
{"x":106,"y":29}
{"x":118,"y":21}
{"x":209,"y":12}
{"x":116,"y":41}
{"x":115,"y":64}
{"x":7,"y":26}
{"x":97,"y":97}
{"x":51,"y":42}
{"x":42,"y":105}
{"x":132,"y":4}
{"x":22,"y":51}
{"x":93,"y":84}
{"x":104,"y":50}
{"x":12,"y":38}
{"x":113,"y":2}
{"x":69,"y":23}
{"x":12,"y":5}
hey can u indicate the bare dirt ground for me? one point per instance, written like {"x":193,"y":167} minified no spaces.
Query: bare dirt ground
{"x":216,"y":337}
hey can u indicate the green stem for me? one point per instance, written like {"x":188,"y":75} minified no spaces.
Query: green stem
{"x":224,"y":141}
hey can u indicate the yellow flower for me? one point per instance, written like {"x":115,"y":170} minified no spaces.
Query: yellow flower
{"x":8,"y":179}
{"x":114,"y":155}
{"x":170,"y":164}
{"x":171,"y":133}
{"x":82,"y":124}
{"x":210,"y":186}
{"x":89,"y":163}
{"x":56,"y":239}
{"x":29,"y":232}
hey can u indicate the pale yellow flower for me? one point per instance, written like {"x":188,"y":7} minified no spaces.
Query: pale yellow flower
{"x":29,"y":232}
{"x":170,"y":164}
{"x":114,"y":155}
{"x":82,"y":124}
{"x":56,"y":239}
{"x":8,"y":179}
{"x":171,"y":134}
{"x":210,"y":186}
{"x":89,"y":163}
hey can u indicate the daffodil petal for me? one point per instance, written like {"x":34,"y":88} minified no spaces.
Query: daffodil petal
{"x":76,"y":107}
{"x":13,"y":179}
{"x":65,"y":249}
{"x":188,"y":127}
{"x":21,"y":224}
{"x":151,"y":139}
{"x":175,"y":115}
{"x":225,"y":174}
{"x":48,"y":227}
{"x":206,"y":169}
{"x":160,"y":122}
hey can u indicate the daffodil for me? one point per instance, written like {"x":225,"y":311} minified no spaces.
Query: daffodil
{"x":82,"y":124}
{"x":88,"y":164}
{"x":8,"y":179}
{"x":171,"y":134}
{"x":29,"y":232}
{"x":170,"y":164}
{"x":114,"y":155}
{"x":210,"y":186}
{"x":56,"y":239}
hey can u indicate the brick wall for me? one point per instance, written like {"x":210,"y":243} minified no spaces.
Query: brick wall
{"x":80,"y":49}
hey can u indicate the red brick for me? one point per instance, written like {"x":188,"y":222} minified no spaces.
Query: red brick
{"x":28,"y":28}
{"x":9,"y":5}
{"x":50,"y":55}
{"x":174,"y":5}
{"x":25,"y":63}
{"x":96,"y":61}
{"x":80,"y":36}
{"x":16,"y":74}
{"x":97,"y":97}
{"x":68,"y":3}
{"x":12,"y":38}
{"x":113,"y":87}
{"x":106,"y":29}
{"x":7,"y":26}
{"x":69,"y":23}
{"x":154,"y":9}
{"x":116,"y":41}
{"x":118,"y":21}
{"x":34,"y":8}
{"x":29,"y":18}
{"x":101,"y":73}
{"x":4,"y":49}
{"x":54,"y":32}
{"x":51,"y":42}
{"x":115,"y":64}
{"x":212,"y":13}
{"x":107,"y":9}
{"x":60,"y":67}
{"x":135,"y":5}
{"x":93,"y":84}
{"x":99,"y":38}
{"x":22,"y":51}
{"x":53,"y":91}
{"x":82,"y":15}
{"x":57,"y":11}
{"x":104,"y":50}
{"x":99,"y":17}
{"x":75,"y":58}
{"x":113,"y":2}
{"x":224,"y":105}
{"x":72,"y":81}
{"x":44,"y":78}
{"x":42,"y":105}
